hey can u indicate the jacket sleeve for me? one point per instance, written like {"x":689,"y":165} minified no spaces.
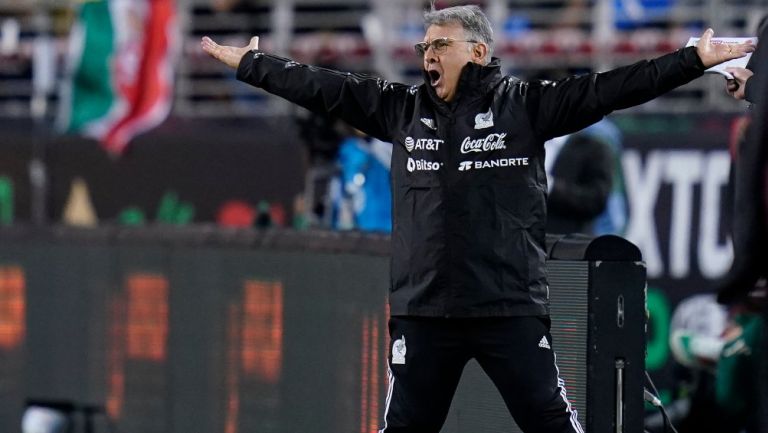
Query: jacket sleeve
{"x":750,"y":91}
{"x":366,"y":103}
{"x":565,"y":106}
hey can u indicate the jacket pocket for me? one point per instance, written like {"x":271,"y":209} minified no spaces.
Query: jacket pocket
{"x":521,"y":211}
{"x":417,"y":237}
{"x":520,"y":206}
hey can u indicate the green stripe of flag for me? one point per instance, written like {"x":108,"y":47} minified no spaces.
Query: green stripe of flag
{"x":92,"y":92}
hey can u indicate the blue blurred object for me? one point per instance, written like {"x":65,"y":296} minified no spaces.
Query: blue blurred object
{"x":516,"y":26}
{"x":361,"y":194}
{"x":614,"y":218}
{"x":632,"y":14}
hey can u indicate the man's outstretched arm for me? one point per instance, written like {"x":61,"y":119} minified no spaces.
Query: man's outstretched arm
{"x":574,"y":103}
{"x":367,"y":103}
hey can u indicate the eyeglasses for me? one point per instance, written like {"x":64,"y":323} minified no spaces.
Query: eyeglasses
{"x":439,"y":45}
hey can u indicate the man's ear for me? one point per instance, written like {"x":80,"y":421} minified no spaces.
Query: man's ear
{"x":479,"y":52}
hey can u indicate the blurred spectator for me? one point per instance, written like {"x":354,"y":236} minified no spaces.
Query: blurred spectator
{"x":737,"y":391}
{"x":585,"y":179}
{"x":613,"y":220}
{"x":361,"y":193}
{"x":722,"y":353}
{"x":264,"y":216}
{"x":750,"y":226}
{"x":321,"y":140}
{"x":695,"y":341}
{"x":321,"y":135}
{"x":629,"y":14}
{"x":750,"y":191}
{"x":740,"y":86}
{"x":580,"y":170}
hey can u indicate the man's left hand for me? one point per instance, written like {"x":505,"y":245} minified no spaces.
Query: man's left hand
{"x":714,"y":54}
{"x":230,"y":56}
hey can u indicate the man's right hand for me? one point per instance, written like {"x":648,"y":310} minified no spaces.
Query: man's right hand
{"x":230,"y":56}
{"x":737,"y":86}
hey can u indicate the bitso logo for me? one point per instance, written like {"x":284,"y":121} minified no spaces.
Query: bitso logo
{"x":488,"y":144}
{"x":422,"y":165}
{"x":409,"y":144}
{"x":465,"y":166}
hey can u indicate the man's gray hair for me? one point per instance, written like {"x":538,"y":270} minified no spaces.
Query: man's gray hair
{"x":471,"y":18}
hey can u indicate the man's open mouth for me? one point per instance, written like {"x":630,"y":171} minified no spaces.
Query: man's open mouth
{"x":434,"y":77}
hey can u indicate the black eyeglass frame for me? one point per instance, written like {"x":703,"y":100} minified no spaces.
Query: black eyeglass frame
{"x":445,"y":42}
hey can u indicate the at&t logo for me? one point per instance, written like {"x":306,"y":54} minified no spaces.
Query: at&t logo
{"x":432,"y":144}
{"x":409,"y":144}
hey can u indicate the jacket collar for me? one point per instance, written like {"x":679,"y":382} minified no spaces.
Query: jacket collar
{"x":475,"y":81}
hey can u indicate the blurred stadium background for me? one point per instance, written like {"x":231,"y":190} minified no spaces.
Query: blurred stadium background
{"x":192,"y":282}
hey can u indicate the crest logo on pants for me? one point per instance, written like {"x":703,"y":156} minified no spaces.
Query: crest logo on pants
{"x":398,"y":351}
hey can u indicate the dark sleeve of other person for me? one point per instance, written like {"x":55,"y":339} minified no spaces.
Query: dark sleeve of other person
{"x":750,"y":93}
{"x":582,"y":179}
{"x":750,"y":87}
{"x":750,"y":219}
{"x":750,"y":213}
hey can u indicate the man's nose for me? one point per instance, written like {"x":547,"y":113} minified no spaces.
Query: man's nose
{"x":429,"y":56}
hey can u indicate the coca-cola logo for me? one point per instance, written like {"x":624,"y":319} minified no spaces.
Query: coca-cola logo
{"x":488,"y":144}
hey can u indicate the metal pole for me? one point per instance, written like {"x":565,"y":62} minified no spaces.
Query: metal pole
{"x":603,"y":32}
{"x":282,"y":26}
{"x":281,"y":18}
{"x":619,"y":396}
{"x":42,"y":84}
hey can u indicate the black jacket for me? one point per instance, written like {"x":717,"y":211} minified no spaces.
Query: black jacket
{"x":468,"y":181}
{"x":583,"y":177}
{"x":750,"y":184}
{"x":751,"y":93}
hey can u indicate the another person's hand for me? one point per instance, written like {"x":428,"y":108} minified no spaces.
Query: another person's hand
{"x":714,"y":54}
{"x":230,"y":56}
{"x":737,"y":86}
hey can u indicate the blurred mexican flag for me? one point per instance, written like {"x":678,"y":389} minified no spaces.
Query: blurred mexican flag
{"x":119,"y":79}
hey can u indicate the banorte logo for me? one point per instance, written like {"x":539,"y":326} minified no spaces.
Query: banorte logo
{"x":409,"y":144}
{"x":490,"y":143}
{"x":465,"y":166}
{"x":422,"y":165}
